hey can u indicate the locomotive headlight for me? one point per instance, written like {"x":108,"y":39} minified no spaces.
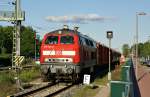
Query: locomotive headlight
{"x":68,"y":60}
{"x":46,"y":60}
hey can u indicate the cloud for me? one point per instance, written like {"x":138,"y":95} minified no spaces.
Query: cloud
{"x":79,"y":18}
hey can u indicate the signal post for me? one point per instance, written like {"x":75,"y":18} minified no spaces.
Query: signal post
{"x":15,"y":17}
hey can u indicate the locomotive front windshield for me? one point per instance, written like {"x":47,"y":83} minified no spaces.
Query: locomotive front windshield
{"x":67,"y":39}
{"x":52,"y":40}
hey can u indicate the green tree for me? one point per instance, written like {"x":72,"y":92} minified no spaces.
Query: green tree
{"x":140,"y":49}
{"x":27,"y":41}
{"x":143,"y":49}
{"x":8,"y":38}
{"x":125,"y":50}
{"x":146,"y":49}
{"x":5,"y":39}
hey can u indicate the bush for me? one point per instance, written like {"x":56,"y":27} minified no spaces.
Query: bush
{"x":6,"y":77}
{"x":28,"y":75}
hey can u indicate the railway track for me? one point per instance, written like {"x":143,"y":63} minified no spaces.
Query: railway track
{"x":5,"y":68}
{"x":9,"y":67}
{"x":48,"y":90}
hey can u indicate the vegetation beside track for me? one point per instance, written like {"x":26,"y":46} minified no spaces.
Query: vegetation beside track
{"x":7,"y":81}
{"x":29,"y":74}
{"x":6,"y":84}
{"x":86,"y":91}
{"x":101,"y":80}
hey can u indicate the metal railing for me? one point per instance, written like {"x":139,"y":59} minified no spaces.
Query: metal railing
{"x":124,"y":87}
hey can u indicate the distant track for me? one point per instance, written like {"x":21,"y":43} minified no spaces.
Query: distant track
{"x":5,"y":68}
{"x":9,"y":67}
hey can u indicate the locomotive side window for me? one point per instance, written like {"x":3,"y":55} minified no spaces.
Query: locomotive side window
{"x":52,"y":40}
{"x":87,"y":42}
{"x":91,"y":43}
{"x":94,"y":43}
{"x":83,"y":41}
{"x":67,"y":39}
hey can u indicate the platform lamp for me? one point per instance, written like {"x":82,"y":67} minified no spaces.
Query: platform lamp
{"x":137,"y":14}
{"x":109,"y":36}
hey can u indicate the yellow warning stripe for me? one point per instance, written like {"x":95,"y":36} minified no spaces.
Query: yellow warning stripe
{"x":18,"y":60}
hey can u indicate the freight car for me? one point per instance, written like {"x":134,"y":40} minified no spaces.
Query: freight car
{"x":66,"y":54}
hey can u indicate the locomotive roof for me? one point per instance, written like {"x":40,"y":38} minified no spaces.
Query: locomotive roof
{"x":64,"y":31}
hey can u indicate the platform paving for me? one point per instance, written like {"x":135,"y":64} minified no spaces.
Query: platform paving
{"x":141,"y":83}
{"x":144,"y":80}
{"x":104,"y":92}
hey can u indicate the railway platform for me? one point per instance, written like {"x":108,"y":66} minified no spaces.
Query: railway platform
{"x":143,"y":81}
{"x":104,"y":92}
{"x":140,"y":84}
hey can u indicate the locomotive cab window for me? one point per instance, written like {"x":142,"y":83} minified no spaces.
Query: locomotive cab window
{"x":52,"y":40}
{"x":67,"y":39}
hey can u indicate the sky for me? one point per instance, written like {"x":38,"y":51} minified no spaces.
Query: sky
{"x":93,"y":17}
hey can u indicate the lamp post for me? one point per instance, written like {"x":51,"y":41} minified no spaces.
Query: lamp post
{"x":109,"y":36}
{"x":137,"y":14}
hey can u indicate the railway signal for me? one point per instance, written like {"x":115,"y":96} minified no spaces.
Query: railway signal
{"x":15,"y":17}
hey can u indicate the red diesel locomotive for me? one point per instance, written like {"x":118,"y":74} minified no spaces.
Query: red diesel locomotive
{"x":66,"y":54}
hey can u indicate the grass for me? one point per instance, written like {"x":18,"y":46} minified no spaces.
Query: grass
{"x":6,"y":77}
{"x":7,"y":82}
{"x":86,"y":91}
{"x":29,"y":74}
{"x":101,"y":80}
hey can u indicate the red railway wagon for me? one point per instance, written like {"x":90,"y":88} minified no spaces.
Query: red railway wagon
{"x":66,"y":54}
{"x":103,"y":55}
